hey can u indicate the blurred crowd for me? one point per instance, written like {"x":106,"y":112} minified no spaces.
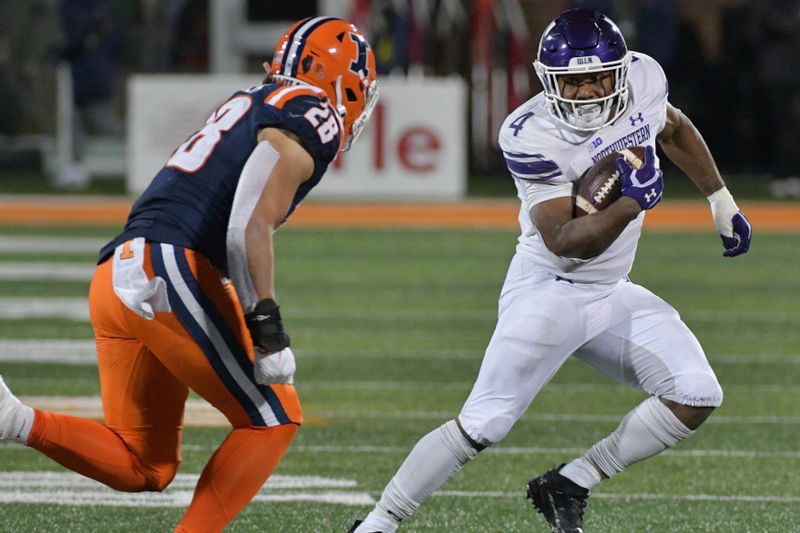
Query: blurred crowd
{"x":733,"y":65}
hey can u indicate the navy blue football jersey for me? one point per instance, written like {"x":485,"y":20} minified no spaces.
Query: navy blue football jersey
{"x":189,"y":201}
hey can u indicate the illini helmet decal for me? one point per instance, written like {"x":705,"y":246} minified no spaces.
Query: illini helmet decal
{"x":581,"y":42}
{"x":334,"y":55}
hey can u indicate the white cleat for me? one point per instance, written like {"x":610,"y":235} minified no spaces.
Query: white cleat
{"x":16,"y":418}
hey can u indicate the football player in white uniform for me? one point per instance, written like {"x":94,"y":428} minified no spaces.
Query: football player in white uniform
{"x":567,"y":291}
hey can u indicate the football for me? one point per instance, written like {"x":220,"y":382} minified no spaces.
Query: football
{"x":599,"y":186}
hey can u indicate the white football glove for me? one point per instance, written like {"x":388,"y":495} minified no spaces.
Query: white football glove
{"x":274,"y":368}
{"x":733,"y":227}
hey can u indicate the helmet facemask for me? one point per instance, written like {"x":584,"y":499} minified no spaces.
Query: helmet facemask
{"x":588,"y":114}
{"x":370,"y":95}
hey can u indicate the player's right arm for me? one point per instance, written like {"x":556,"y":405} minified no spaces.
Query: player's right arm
{"x":588,"y":236}
{"x":583,"y":237}
{"x":298,"y":136}
{"x":540,"y":181}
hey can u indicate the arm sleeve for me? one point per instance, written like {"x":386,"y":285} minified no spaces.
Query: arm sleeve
{"x":252,"y":181}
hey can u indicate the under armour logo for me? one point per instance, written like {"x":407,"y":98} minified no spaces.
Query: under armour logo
{"x":636,"y":118}
{"x":650,"y":196}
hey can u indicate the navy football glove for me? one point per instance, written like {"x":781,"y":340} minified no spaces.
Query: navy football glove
{"x":645,"y":185}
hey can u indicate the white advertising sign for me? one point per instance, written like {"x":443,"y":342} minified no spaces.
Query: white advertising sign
{"x":414,"y":147}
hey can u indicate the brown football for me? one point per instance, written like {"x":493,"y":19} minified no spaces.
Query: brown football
{"x":599,"y":186}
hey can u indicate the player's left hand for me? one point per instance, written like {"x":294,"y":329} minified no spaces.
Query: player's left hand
{"x":266,"y":327}
{"x":275,"y":368}
{"x":734,"y":229}
{"x":274,"y":359}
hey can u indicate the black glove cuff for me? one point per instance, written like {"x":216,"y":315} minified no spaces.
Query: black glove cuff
{"x":266,"y":328}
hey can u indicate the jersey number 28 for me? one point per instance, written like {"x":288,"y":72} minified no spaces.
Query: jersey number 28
{"x":324,"y":121}
{"x":193,"y":154}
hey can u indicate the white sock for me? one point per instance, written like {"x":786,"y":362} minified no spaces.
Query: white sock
{"x":582,"y":473}
{"x":16,"y":418}
{"x":646,"y":431}
{"x":25,"y":415}
{"x":377,"y":520}
{"x":437,"y":457}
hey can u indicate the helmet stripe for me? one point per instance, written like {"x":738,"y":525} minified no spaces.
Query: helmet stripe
{"x":297,"y":41}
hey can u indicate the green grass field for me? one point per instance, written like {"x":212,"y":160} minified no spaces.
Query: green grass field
{"x":389,"y":329}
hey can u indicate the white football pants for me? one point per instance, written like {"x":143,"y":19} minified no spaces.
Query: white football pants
{"x":622,"y":330}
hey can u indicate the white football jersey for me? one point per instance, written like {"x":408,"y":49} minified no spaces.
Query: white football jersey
{"x":545,"y":157}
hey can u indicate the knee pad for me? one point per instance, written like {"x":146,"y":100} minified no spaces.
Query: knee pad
{"x":698,"y":390}
{"x":487,"y":431}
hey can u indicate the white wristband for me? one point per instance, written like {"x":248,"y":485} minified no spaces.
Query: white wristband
{"x":721,"y":197}
{"x":723,"y":209}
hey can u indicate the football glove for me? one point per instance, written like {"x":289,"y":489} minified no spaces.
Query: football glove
{"x":266,"y":328}
{"x":645,"y":185}
{"x":275,"y":368}
{"x":734,"y":229}
{"x":274,"y":359}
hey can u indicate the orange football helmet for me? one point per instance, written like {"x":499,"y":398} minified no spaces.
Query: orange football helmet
{"x":331,"y":54}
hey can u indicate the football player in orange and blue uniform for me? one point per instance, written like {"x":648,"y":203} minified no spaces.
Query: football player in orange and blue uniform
{"x":183,"y":298}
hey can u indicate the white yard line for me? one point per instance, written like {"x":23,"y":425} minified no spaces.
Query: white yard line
{"x":36,"y":307}
{"x":38,"y":244}
{"x":25,"y":271}
{"x":28,"y":479}
{"x":83,"y":351}
{"x":66,"y":351}
{"x":495,"y":450}
{"x":198,"y":412}
{"x":631,"y":496}
{"x":19,"y":308}
{"x":66,"y":488}
{"x":520,"y":450}
{"x":466,"y":385}
{"x":545,"y":417}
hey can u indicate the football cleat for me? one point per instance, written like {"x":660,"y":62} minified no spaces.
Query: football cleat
{"x":15,"y":418}
{"x":560,"y":500}
{"x":355,"y":526}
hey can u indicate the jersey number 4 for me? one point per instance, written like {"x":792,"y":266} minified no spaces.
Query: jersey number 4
{"x":519,"y":122}
{"x":193,"y":154}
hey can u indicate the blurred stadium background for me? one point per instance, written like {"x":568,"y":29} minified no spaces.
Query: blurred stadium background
{"x":733,"y":67}
{"x":390,"y":316}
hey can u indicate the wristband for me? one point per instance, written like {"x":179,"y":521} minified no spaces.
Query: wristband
{"x":722,"y":197}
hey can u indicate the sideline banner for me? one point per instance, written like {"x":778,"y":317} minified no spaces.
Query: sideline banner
{"x":413,"y":148}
